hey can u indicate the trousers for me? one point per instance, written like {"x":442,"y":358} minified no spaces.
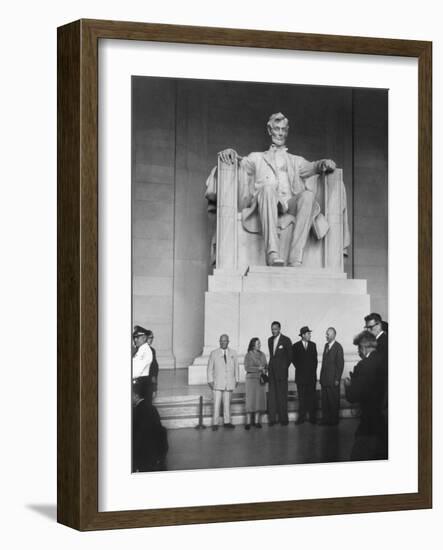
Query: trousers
{"x":278,"y":400}
{"x":306,"y":397}
{"x":330,"y":403}
{"x":219,"y":396}
{"x":300,"y":206}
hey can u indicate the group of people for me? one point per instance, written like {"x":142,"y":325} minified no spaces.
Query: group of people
{"x":366,"y":386}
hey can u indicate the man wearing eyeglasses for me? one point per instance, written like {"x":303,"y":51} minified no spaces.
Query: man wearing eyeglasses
{"x":144,"y":361}
{"x":375,"y":325}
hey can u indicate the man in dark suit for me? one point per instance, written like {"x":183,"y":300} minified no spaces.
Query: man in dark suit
{"x":332,"y":366}
{"x":149,"y":437}
{"x":280,"y":348}
{"x":376,"y":326}
{"x":363,"y":387}
{"x":305,"y":360}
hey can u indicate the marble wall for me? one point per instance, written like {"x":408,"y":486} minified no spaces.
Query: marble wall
{"x":370,"y":236}
{"x":178,"y":128}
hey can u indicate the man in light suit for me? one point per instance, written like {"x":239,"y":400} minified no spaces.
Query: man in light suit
{"x":280,"y":350}
{"x":305,"y":359}
{"x":274,"y":193}
{"x":223,"y":377}
{"x":332,"y":366}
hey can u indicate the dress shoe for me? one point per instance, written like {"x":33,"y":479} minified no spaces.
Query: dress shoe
{"x":214,"y":428}
{"x":284,"y":423}
{"x":313,"y":420}
{"x":228,"y":425}
{"x":247,"y":426}
{"x":270,"y":424}
{"x":257,"y":425}
{"x":300,"y":420}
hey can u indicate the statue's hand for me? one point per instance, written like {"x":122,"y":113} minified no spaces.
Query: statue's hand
{"x":326,"y":166}
{"x":229,"y":156}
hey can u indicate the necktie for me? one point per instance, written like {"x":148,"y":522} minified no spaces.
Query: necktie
{"x":224,"y":356}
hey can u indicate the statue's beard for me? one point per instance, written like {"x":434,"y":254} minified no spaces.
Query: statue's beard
{"x":279,"y":142}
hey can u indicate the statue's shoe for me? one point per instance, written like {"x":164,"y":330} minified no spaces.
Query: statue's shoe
{"x":294,"y":264}
{"x":275,"y":261}
{"x":278,"y":262}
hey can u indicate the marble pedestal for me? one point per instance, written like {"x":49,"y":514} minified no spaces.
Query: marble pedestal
{"x":244,"y":305}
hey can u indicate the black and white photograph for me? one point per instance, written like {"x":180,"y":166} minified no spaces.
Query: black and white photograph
{"x":259,"y":265}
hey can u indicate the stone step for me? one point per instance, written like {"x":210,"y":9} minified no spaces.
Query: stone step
{"x":191,"y":421}
{"x":184,"y":412}
{"x":267,"y":282}
{"x":286,"y":279}
{"x":296,"y":272}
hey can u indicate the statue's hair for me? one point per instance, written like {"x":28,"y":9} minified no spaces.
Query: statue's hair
{"x":366,"y":339}
{"x":277,"y":117}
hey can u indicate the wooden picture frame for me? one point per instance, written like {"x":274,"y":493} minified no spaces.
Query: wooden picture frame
{"x":78,"y":274}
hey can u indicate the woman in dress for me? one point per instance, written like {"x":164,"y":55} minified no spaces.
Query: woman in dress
{"x":255,"y":364}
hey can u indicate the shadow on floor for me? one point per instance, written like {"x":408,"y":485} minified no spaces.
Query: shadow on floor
{"x":48,"y":511}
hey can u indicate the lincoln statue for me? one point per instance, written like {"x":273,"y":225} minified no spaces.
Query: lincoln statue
{"x":274,"y":194}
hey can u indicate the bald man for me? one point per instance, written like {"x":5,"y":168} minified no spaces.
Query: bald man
{"x":223,"y":377}
{"x":332,"y":366}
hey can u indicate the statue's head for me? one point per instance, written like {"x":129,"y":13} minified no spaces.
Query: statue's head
{"x":278,"y":128}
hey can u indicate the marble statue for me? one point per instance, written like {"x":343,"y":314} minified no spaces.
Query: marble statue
{"x":274,"y":195}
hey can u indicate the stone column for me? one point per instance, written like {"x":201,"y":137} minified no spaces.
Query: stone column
{"x":227,"y":199}
{"x":334,"y":215}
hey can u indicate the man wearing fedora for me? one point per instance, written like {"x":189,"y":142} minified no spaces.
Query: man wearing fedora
{"x":305,"y":360}
{"x":144,"y":361}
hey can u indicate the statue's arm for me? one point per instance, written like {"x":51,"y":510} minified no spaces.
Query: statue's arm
{"x":322,"y":166}
{"x":245,"y":179}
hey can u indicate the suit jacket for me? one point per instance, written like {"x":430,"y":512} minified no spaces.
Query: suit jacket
{"x":383,"y":353}
{"x":305,"y":363}
{"x":332,"y":365}
{"x":223,"y":375}
{"x":383,"y":346}
{"x":365,"y":389}
{"x":280,"y":361}
{"x":153,"y":370}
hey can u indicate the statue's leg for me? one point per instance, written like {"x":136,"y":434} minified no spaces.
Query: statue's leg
{"x":268,"y":211}
{"x":301,"y":207}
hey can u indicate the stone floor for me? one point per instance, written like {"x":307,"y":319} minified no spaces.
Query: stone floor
{"x":191,"y":449}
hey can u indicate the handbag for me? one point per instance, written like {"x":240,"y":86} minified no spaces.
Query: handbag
{"x":264,"y":379}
